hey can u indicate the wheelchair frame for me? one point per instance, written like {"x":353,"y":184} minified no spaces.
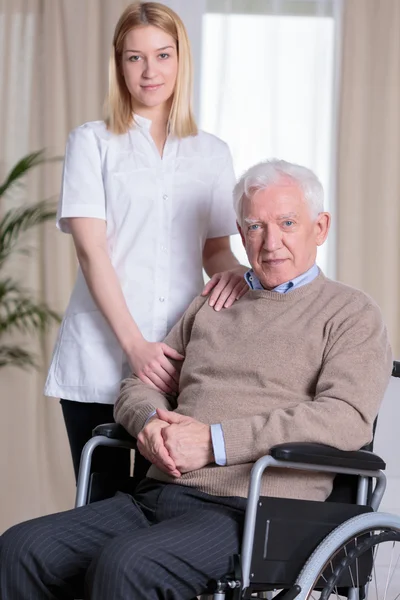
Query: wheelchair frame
{"x":301,"y":456}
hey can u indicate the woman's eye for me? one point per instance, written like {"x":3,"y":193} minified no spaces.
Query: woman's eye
{"x":164,"y":55}
{"x":134,"y":58}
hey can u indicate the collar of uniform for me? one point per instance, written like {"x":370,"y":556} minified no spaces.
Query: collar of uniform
{"x":254,"y":283}
{"x":142,"y":122}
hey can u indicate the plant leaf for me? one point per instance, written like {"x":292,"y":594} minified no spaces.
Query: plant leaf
{"x":7,"y":287}
{"x":21,"y":312}
{"x":18,"y":357}
{"x":19,"y":220}
{"x":18,"y":310}
{"x":20,"y":169}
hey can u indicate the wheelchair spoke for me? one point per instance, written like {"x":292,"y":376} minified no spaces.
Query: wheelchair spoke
{"x":331,"y":566}
{"x":388,"y":578}
{"x":357,"y":575}
{"x":374,"y":556}
{"x":367,"y":565}
{"x":350,"y":571}
{"x":336,"y":590}
{"x":394,"y":568}
{"x":376,"y":582}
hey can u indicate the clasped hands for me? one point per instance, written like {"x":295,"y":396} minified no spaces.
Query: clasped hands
{"x":176,"y":444}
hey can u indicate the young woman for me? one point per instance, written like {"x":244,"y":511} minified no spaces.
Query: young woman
{"x":147,"y":199}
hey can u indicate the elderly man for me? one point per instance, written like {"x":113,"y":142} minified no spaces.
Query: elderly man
{"x":299,"y":358}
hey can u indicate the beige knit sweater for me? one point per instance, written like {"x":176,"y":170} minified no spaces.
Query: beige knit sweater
{"x":310,"y":365}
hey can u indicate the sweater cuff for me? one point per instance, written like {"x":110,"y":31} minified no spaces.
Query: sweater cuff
{"x":135,"y":419}
{"x":153,"y":412}
{"x":240,"y":441}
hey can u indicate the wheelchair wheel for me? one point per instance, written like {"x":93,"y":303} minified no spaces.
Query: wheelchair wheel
{"x":379,"y":585}
{"x":359,"y":560}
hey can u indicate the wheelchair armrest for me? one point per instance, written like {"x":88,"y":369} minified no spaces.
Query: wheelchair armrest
{"x":319,"y":454}
{"x":113,"y":431}
{"x":396,"y":368}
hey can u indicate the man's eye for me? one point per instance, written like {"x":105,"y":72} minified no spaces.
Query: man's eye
{"x":134,"y":58}
{"x":254,"y":227}
{"x":288,"y":223}
{"x":164,"y":55}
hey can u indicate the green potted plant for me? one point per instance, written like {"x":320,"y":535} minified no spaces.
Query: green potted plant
{"x":20,"y":311}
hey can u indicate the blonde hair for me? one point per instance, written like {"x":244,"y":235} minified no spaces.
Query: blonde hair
{"x":119,"y":114}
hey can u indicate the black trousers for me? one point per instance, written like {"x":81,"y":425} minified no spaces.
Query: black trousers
{"x":167,"y":542}
{"x":80,"y":419}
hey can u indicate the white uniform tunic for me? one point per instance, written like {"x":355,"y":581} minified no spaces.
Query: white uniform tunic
{"x":159,"y":213}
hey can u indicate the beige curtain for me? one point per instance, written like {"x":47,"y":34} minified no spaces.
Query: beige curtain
{"x":53,"y":76}
{"x":368,"y":176}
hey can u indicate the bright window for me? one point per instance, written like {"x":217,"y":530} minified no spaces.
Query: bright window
{"x":267,"y":87}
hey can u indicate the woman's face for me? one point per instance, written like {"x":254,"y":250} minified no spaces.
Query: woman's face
{"x":149,"y":66}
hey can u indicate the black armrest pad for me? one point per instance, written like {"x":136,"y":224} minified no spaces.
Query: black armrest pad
{"x":396,"y":368}
{"x":114,"y":431}
{"x":319,"y":454}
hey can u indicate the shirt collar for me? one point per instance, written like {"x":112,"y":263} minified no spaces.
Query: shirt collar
{"x":142,"y":122}
{"x":254,"y":283}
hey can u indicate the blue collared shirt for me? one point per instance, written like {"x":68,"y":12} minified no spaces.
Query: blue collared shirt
{"x":217,"y":435}
{"x":307,"y":277}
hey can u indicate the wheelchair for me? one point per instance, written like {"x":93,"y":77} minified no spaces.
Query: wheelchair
{"x":297,"y":549}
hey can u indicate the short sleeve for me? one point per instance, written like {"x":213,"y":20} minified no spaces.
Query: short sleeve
{"x":222,"y":220}
{"x":82,"y":191}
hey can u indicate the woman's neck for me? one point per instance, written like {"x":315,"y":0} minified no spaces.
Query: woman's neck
{"x":158,"y":115}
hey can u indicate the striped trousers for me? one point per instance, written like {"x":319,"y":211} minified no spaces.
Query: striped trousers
{"x":166,"y":542}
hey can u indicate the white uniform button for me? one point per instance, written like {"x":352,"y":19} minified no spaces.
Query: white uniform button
{"x":164,"y":248}
{"x":165,"y":197}
{"x":161,"y":298}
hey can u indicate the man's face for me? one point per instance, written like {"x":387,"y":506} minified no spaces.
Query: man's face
{"x":279,"y":234}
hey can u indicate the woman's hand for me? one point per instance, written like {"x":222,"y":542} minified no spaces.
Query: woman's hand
{"x":150,"y":363}
{"x":227,"y":287}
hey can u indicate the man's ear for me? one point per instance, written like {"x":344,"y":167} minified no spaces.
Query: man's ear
{"x":322,"y":225}
{"x":240,"y":230}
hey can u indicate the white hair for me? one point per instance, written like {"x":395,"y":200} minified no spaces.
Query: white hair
{"x":269,"y":172}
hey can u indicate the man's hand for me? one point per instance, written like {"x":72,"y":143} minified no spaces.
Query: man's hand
{"x":187,"y":441}
{"x":150,"y":444}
